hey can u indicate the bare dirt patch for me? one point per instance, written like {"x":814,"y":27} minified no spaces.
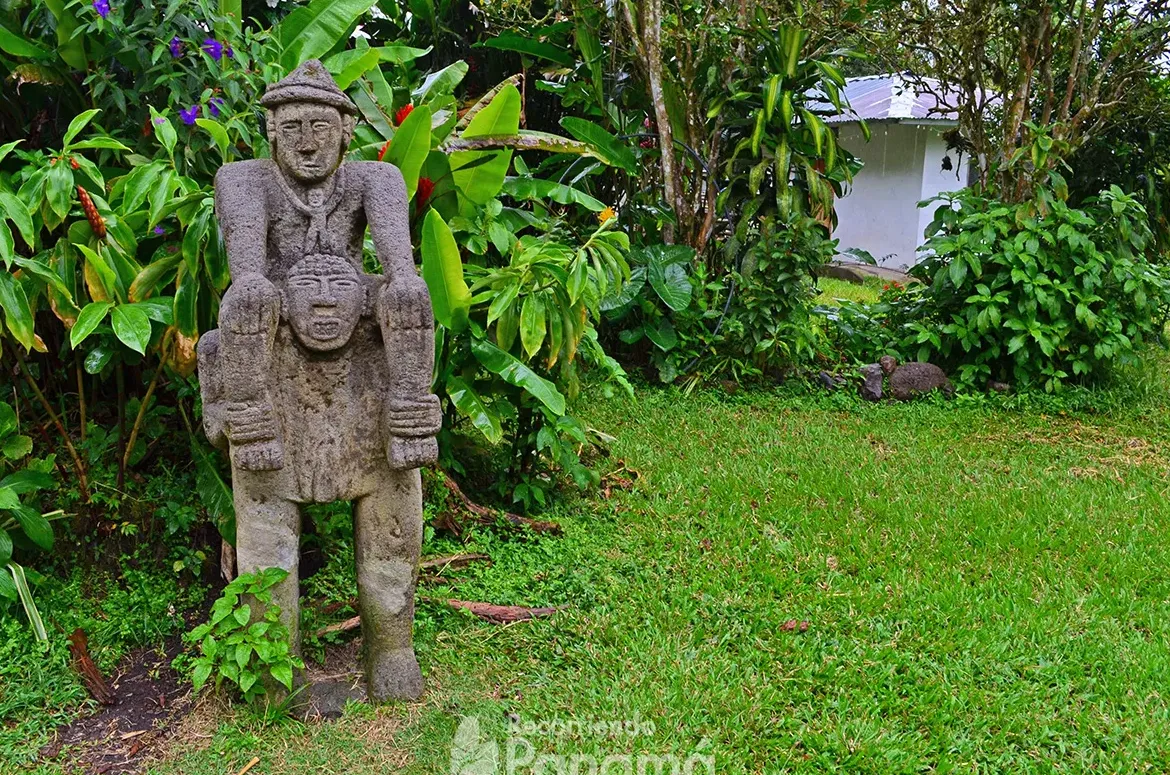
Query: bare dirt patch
{"x":151,"y":697}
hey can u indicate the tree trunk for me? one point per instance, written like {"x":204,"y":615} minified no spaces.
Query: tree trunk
{"x":648,"y":44}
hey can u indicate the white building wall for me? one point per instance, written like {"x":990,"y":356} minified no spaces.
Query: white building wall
{"x":935,"y":179}
{"x":903,"y":165}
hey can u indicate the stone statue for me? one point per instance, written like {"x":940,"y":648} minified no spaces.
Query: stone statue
{"x":318,"y":378}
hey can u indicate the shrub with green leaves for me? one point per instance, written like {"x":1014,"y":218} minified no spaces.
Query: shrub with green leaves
{"x":770,"y":323}
{"x":656,"y":305}
{"x":245,"y":650}
{"x":1039,"y":293}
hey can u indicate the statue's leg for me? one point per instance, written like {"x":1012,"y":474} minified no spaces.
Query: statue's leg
{"x":413,"y":413}
{"x":268,"y":535}
{"x":248,"y":317}
{"x":388,"y":539}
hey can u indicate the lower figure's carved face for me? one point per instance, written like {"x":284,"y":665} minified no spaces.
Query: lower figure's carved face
{"x":324,"y":297}
{"x":307,"y":140}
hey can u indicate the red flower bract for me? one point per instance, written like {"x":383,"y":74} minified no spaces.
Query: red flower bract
{"x":422,"y":194}
{"x":402,"y":113}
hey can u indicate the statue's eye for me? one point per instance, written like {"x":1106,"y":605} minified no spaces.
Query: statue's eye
{"x":321,"y":126}
{"x":345,"y":285}
{"x":290,"y":126}
{"x":304,"y":282}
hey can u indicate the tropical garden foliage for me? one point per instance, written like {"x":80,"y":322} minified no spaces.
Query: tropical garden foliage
{"x":597,"y":195}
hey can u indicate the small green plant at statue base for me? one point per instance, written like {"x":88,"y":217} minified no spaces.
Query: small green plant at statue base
{"x":234,"y":647}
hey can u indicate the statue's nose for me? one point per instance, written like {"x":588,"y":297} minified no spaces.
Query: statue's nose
{"x":325,"y":296}
{"x":306,"y":143}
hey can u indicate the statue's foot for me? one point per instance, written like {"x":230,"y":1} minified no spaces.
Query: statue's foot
{"x":393,"y":675}
{"x":411,"y":452}
{"x":258,"y":455}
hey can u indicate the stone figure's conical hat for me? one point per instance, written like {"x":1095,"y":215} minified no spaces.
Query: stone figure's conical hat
{"x":310,"y":82}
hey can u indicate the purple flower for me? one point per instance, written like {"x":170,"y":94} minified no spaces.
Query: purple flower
{"x":189,"y":115}
{"x":102,"y":7}
{"x":159,"y":230}
{"x":215,"y":105}
{"x":176,"y":47}
{"x":159,"y":121}
{"x":213,"y":48}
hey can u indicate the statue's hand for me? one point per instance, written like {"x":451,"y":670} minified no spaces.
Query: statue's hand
{"x":251,"y":306}
{"x":414,"y":417}
{"x":412,"y":425}
{"x":406,"y":301}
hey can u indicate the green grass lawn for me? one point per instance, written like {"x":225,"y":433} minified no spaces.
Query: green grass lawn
{"x":985,"y":588}
{"x":834,"y":291}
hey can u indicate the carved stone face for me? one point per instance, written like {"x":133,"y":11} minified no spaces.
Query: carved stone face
{"x":307,"y":140}
{"x":324,"y":297}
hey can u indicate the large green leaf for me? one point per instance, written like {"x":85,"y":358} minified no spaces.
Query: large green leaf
{"x":70,"y":47}
{"x":232,"y":13}
{"x":400,"y":55}
{"x":59,"y":188}
{"x":312,"y":30}
{"x":7,"y":148}
{"x":18,"y":45}
{"x":441,"y":82}
{"x":26,"y":600}
{"x":347,"y":66}
{"x":90,"y":317}
{"x":515,"y":372}
{"x":501,"y":117}
{"x":138,"y":184}
{"x":78,"y":123}
{"x":147,"y":281}
{"x":410,"y":147}
{"x":7,"y":243}
{"x":187,"y":301}
{"x":671,"y":283}
{"x":611,"y":150}
{"x":18,"y":315}
{"x":27,"y":480}
{"x":532,"y":324}
{"x":530,"y":189}
{"x":8,"y":422}
{"x":442,"y":269}
{"x":217,"y":132}
{"x":35,"y":526}
{"x":18,"y":213}
{"x":214,"y":493}
{"x":99,"y":275}
{"x":471,"y":405}
{"x":131,"y":326}
{"x":524,"y":140}
{"x":510,"y":41}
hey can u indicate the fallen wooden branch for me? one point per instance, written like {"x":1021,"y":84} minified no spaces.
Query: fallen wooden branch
{"x":90,"y":675}
{"x":489,"y":612}
{"x":485,"y":516}
{"x":502,"y":614}
{"x":454,"y":561}
{"x":349,"y":624}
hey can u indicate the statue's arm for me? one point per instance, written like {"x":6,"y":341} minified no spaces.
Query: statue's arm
{"x":386,"y":213}
{"x":241,"y":209}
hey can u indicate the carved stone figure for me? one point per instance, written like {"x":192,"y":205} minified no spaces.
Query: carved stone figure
{"x":317,"y":380}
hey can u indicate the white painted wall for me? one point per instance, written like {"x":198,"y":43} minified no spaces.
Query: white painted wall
{"x":903,"y":165}
{"x":936,"y":180}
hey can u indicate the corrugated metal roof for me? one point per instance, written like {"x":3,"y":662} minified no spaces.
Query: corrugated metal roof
{"x":890,"y":97}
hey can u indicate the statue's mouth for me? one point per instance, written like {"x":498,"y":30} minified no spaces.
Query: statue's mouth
{"x":325,"y":328}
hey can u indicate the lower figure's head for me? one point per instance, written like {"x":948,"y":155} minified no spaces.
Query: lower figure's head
{"x":324,"y":298}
